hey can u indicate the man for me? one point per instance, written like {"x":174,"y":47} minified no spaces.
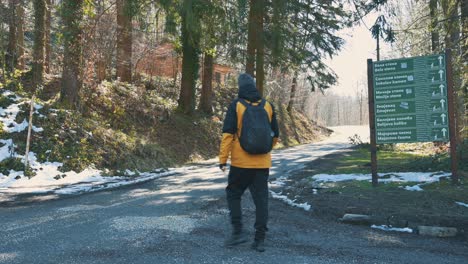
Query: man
{"x":247,"y":170}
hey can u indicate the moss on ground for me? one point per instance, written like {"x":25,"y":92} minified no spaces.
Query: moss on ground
{"x":5,"y":101}
{"x":11,"y":164}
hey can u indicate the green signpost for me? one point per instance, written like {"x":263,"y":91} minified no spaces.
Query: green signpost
{"x":410,"y":100}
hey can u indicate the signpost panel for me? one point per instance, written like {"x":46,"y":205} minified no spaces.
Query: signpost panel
{"x":410,"y":98}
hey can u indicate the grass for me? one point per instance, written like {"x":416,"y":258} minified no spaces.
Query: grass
{"x":358,"y":161}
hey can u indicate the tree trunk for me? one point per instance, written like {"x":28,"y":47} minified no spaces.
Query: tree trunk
{"x":190,"y":65}
{"x":101,"y":68}
{"x":72,"y":15}
{"x":464,"y":15}
{"x":293,"y":93}
{"x":11,"y":55}
{"x":434,"y":26}
{"x":378,"y":46}
{"x":251,"y":39}
{"x":101,"y":64}
{"x":260,"y":69}
{"x":464,"y":51}
{"x":39,"y":38}
{"x":452,"y":41}
{"x":124,"y":41}
{"x":207,"y":85}
{"x":20,"y":35}
{"x":48,"y":19}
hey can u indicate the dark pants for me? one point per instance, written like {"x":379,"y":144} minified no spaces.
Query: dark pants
{"x":257,"y":182}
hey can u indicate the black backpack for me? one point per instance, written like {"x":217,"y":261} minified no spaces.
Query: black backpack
{"x":256,"y":134}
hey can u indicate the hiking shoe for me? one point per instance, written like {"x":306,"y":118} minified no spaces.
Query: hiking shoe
{"x":236,"y":239}
{"x":258,"y":245}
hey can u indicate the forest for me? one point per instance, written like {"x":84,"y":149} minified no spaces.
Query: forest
{"x":146,"y":83}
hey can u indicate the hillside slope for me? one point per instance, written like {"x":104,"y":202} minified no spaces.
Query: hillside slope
{"x":123,"y":128}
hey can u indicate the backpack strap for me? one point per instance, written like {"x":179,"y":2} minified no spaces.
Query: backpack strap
{"x":262,"y":103}
{"x":247,"y":104}
{"x":244,"y":102}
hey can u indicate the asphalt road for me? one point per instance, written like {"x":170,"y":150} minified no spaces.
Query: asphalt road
{"x":183,"y":219}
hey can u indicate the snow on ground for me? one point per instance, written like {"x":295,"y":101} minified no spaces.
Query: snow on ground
{"x":8,"y":116}
{"x":285,"y":199}
{"x":49,"y":178}
{"x":425,"y":177}
{"x":394,"y":229}
{"x":416,"y":177}
{"x":415,"y":188}
{"x":462,"y":204}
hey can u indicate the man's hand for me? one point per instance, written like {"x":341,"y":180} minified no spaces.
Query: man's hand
{"x":222,"y":167}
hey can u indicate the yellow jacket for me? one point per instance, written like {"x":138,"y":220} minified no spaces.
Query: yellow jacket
{"x":230,"y":142}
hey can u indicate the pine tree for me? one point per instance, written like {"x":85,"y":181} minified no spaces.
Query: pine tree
{"x":72,"y":15}
{"x":251,"y":39}
{"x":124,"y":40}
{"x":206,"y":98}
{"x":214,"y":27}
{"x":434,"y":25}
{"x":11,"y":53}
{"x":39,"y":39}
{"x":190,"y":39}
{"x":48,"y":44}
{"x":20,"y":35}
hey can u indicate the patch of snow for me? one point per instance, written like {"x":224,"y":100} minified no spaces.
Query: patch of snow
{"x":8,"y":116}
{"x":279,"y":182}
{"x":422,"y":177}
{"x":418,"y":177}
{"x":415,"y":188}
{"x":38,"y":106}
{"x":104,"y":183}
{"x":89,"y":180}
{"x":341,"y":177}
{"x":129,"y":172}
{"x":285,"y":199}
{"x":223,"y":211}
{"x":394,"y":229}
{"x":5,"y":150}
{"x":462,"y":204}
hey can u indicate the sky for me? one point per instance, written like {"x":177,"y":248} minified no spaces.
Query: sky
{"x":351,"y":62}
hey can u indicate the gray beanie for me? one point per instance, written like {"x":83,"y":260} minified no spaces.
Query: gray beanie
{"x":246,"y":80}
{"x":247,"y":88}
